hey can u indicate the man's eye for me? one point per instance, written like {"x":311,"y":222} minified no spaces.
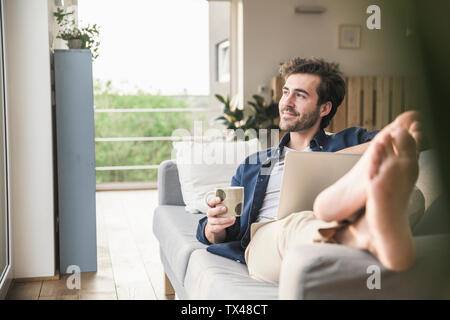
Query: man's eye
{"x":300,"y":96}
{"x":285,"y":92}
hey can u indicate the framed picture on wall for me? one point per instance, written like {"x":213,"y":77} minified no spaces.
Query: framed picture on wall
{"x":349,"y":36}
{"x":223,"y":61}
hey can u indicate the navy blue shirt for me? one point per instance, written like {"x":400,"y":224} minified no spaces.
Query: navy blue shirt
{"x":253,"y":174}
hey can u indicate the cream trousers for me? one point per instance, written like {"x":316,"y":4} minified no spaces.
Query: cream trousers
{"x":270,"y":241}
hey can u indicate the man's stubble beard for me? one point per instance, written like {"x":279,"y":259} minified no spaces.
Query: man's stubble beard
{"x":304,"y":122}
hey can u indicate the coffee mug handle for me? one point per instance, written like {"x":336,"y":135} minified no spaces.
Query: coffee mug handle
{"x":207,"y":195}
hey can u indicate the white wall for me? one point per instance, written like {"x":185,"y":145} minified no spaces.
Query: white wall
{"x":273,"y":33}
{"x":219,"y":30}
{"x":30,"y":137}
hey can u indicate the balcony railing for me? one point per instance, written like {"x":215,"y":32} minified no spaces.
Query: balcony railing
{"x":129,"y":139}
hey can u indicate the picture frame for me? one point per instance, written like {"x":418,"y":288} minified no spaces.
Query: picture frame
{"x":349,"y":36}
{"x":223,"y":61}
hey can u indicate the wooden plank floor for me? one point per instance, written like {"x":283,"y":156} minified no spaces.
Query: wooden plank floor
{"x":129,"y":266}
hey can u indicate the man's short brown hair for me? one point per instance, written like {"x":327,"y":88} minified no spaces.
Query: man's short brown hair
{"x":331,"y":87}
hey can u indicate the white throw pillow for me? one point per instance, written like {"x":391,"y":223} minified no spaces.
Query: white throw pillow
{"x":205,"y":166}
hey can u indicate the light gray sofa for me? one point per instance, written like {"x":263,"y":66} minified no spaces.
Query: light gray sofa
{"x":318,"y":271}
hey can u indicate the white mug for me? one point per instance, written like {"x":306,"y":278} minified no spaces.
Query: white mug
{"x":232,"y":198}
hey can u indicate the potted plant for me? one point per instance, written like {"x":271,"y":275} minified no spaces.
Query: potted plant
{"x":77,"y":38}
{"x":233,"y":117}
{"x":264,"y":115}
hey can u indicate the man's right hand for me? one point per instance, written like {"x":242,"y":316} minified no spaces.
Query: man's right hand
{"x":215,"y":226}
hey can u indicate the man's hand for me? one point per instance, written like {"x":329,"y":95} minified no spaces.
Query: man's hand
{"x":215,"y":226}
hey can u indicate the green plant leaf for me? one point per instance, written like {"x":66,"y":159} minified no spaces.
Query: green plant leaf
{"x":239,"y":114}
{"x":220,"y":98}
{"x":221,"y":118}
{"x":259,"y":100}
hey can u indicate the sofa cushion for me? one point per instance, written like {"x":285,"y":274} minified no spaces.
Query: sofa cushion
{"x":210,"y":276}
{"x":331,"y":271}
{"x":436,"y":219}
{"x":429,"y":179}
{"x":175,"y":229}
{"x":205,"y":166}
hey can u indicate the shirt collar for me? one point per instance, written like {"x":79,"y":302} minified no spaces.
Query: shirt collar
{"x":317,"y":143}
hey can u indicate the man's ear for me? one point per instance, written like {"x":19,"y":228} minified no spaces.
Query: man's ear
{"x":325,"y":109}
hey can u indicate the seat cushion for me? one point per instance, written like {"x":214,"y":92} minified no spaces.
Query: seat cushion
{"x":203,"y":166}
{"x":436,"y":219}
{"x":210,"y":276}
{"x":429,"y":179}
{"x":175,"y":230}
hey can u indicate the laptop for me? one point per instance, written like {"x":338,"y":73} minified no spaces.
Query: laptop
{"x":306,"y":174}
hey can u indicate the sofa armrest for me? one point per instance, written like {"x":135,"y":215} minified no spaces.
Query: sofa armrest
{"x":331,"y":271}
{"x":169,"y":188}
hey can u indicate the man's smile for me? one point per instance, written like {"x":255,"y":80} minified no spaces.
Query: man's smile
{"x":288,"y":113}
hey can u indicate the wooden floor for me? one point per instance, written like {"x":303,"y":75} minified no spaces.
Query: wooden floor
{"x":128,"y":255}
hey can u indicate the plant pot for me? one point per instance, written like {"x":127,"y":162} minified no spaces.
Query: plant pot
{"x":74,"y":44}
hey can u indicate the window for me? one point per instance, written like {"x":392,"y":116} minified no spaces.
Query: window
{"x":223,"y":61}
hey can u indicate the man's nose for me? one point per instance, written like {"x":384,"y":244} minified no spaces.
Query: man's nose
{"x":289,"y":100}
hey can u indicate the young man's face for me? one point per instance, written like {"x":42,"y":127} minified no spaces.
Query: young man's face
{"x":298,"y":105}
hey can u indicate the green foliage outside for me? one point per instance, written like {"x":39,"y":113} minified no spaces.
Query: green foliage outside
{"x":148,"y":124}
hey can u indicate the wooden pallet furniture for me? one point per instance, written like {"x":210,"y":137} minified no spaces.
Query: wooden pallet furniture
{"x":370,"y":101}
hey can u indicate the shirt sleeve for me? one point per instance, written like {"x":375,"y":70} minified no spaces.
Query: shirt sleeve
{"x":366,"y":136}
{"x":201,"y":231}
{"x":350,"y":137}
{"x":236,"y":180}
{"x":232,"y":231}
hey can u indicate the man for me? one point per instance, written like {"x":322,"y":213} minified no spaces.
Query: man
{"x":311,"y":95}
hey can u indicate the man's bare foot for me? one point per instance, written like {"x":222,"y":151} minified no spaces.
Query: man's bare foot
{"x":393,"y":176}
{"x":348,"y":195}
{"x":411,"y":122}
